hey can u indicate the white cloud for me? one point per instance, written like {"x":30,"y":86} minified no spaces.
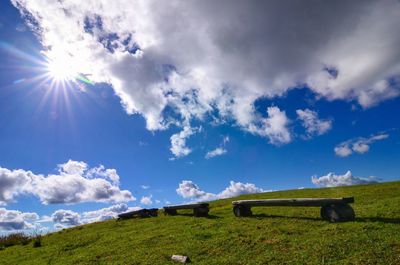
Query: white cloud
{"x":73,"y":167}
{"x":176,"y":61}
{"x":145,"y":187}
{"x":221,"y":150}
{"x":312,"y":124}
{"x":66,"y":218}
{"x":216,"y":152}
{"x":238,"y":188}
{"x":275,"y":127}
{"x":13,"y":183}
{"x":189,"y":190}
{"x":102,"y":172}
{"x":333,"y":180}
{"x":16,"y":220}
{"x":358,"y":145}
{"x":178,"y":142}
{"x":343,"y":150}
{"x":75,"y":183}
{"x":146,"y":200}
{"x":106,"y":213}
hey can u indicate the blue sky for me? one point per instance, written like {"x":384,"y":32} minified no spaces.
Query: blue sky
{"x":271,"y":135}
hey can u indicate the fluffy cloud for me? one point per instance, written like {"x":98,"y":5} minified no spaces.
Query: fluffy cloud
{"x":16,"y":220}
{"x":175,"y":61}
{"x":146,"y":200}
{"x":189,"y":190}
{"x":178,"y":142}
{"x":237,"y":188}
{"x":12,"y":183}
{"x":66,"y":218}
{"x":73,"y":167}
{"x":358,"y":145}
{"x":333,"y":180}
{"x":275,"y":127}
{"x":106,"y":213}
{"x":312,"y":124}
{"x":74,"y":183}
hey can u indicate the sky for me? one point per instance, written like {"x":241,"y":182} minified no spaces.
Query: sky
{"x":111,"y":106}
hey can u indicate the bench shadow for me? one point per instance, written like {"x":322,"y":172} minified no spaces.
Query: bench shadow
{"x":262,"y":215}
{"x":358,"y":219}
{"x":378,"y":219}
{"x":210,"y":216}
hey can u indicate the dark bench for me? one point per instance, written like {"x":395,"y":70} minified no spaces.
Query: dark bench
{"x":139,"y":213}
{"x":332,"y":209}
{"x":199,"y":209}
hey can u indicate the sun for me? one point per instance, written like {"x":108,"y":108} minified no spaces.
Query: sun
{"x":61,"y":69}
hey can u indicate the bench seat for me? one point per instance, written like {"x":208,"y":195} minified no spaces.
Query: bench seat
{"x":332,"y":209}
{"x":199,"y":209}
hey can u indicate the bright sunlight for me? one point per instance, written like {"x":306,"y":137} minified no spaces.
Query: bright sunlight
{"x":61,"y":69}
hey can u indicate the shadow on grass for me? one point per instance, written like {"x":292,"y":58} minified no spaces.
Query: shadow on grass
{"x":210,"y":216}
{"x":378,"y":219}
{"x":358,"y":219}
{"x":283,"y":216}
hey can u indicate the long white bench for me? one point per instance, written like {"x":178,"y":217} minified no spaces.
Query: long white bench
{"x":332,"y":209}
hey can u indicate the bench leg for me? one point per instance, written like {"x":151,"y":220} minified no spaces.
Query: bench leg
{"x":170,"y":212}
{"x":337,"y":213}
{"x":201,"y":211}
{"x":242,"y":211}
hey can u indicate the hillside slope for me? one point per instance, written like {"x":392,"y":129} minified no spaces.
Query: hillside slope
{"x":274,"y":235}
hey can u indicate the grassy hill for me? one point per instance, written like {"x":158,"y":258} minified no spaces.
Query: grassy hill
{"x":274,"y":235}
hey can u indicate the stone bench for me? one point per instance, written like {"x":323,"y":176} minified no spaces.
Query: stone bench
{"x":199,"y":209}
{"x":332,"y":209}
{"x":139,"y":213}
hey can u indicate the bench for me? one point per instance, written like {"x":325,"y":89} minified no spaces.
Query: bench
{"x":139,"y":213}
{"x":199,"y":209}
{"x":332,"y":209}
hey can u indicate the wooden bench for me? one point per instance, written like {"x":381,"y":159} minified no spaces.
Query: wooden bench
{"x":332,"y":209}
{"x":139,"y":213}
{"x":199,"y":209}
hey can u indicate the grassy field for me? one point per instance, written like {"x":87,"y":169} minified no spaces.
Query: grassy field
{"x":274,"y":235}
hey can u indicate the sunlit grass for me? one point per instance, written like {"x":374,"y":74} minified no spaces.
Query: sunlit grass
{"x":275,"y":235}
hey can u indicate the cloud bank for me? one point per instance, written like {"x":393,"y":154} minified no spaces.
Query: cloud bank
{"x":15,"y":220}
{"x":347,"y":179}
{"x":189,"y":190}
{"x":74,"y":183}
{"x":357,"y":145}
{"x":177,"y":61}
{"x":67,"y":218}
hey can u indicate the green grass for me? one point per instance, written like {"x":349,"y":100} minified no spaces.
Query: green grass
{"x":275,"y":235}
